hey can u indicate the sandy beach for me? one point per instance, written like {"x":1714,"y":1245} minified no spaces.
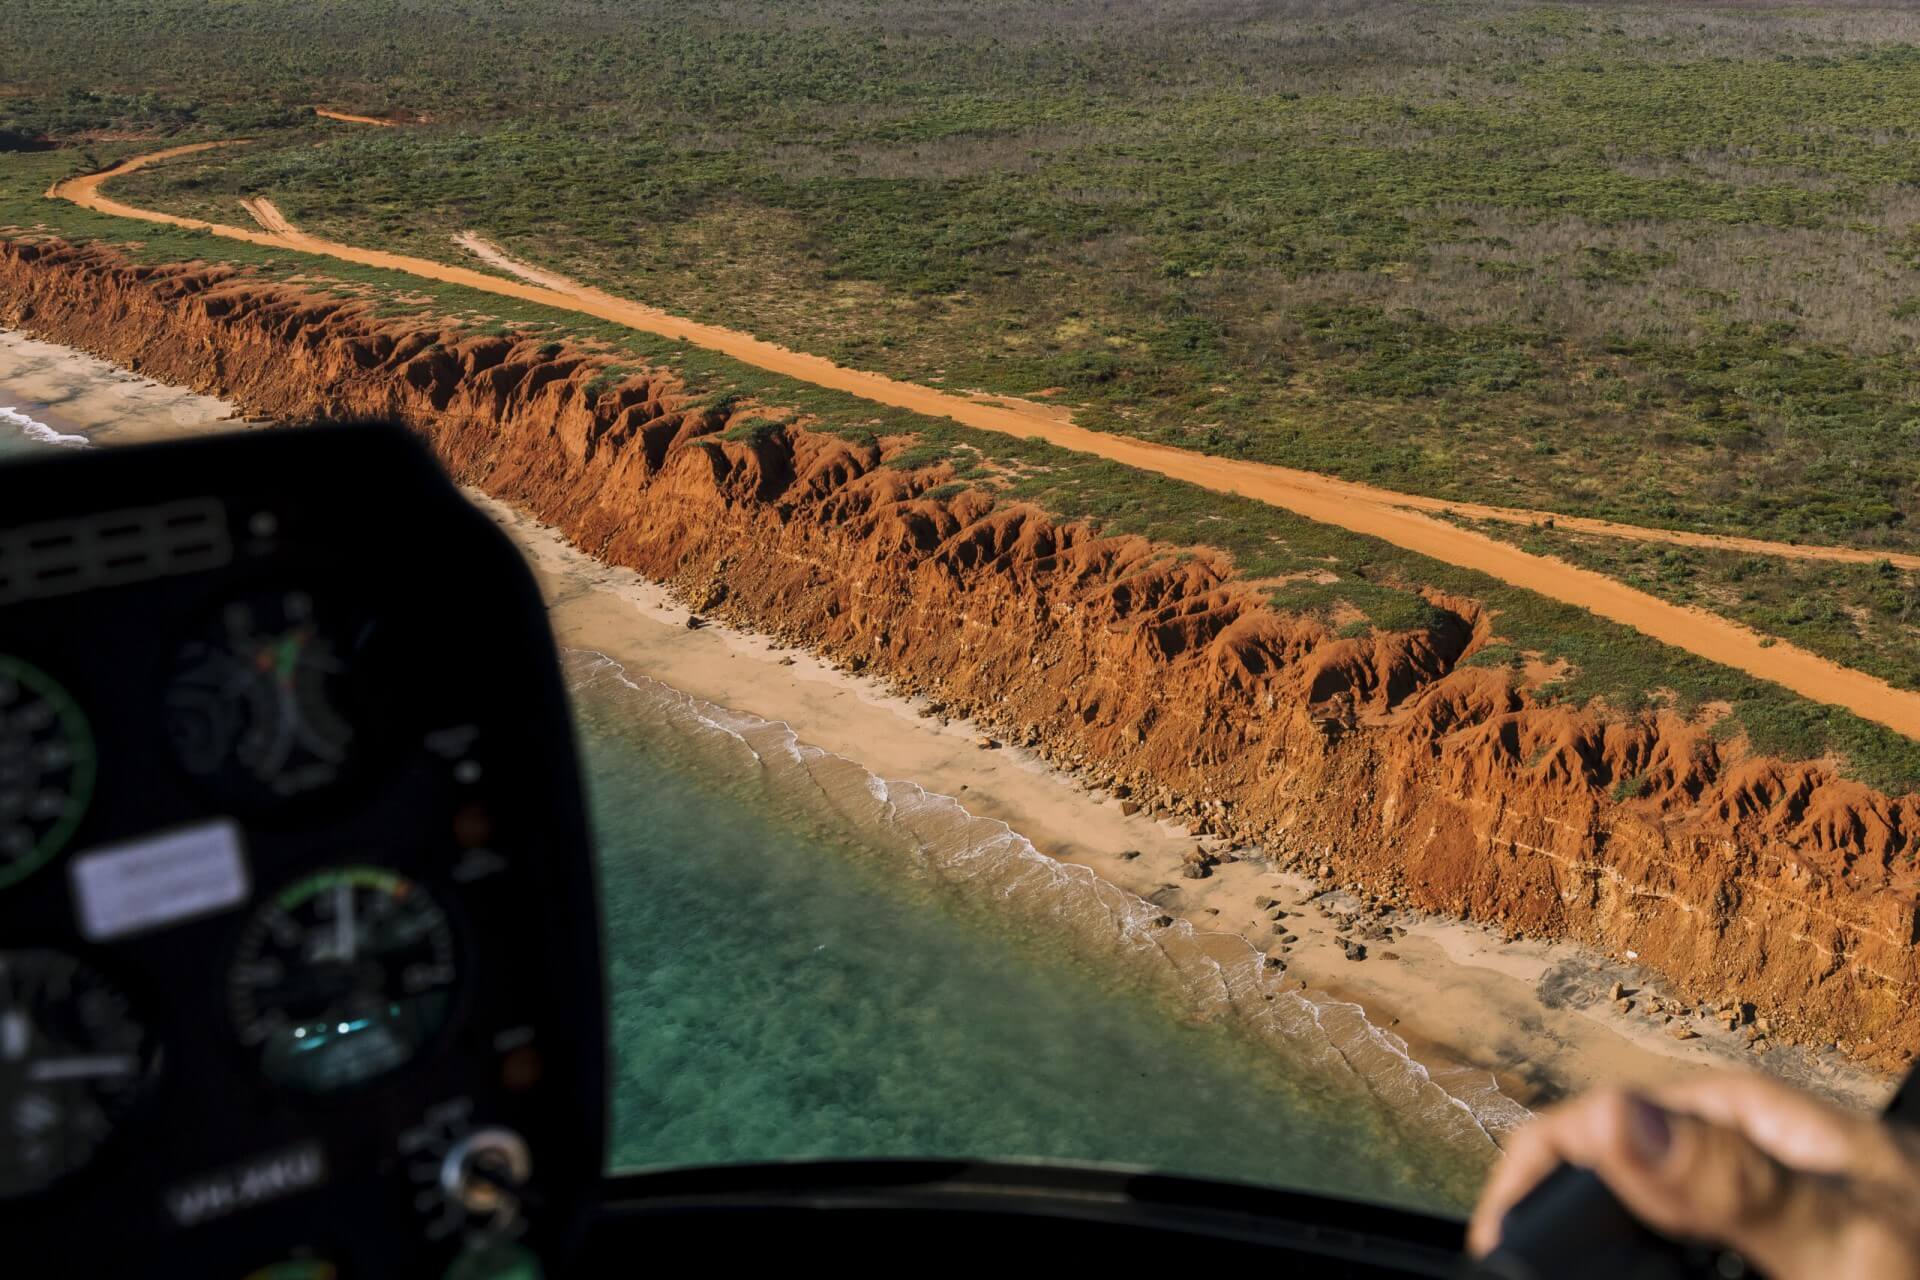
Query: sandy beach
{"x":1542,"y":1017}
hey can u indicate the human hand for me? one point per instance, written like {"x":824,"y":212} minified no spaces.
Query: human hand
{"x":1798,"y":1187}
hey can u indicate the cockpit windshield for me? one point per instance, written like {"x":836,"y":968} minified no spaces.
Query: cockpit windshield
{"x":1251,"y":588}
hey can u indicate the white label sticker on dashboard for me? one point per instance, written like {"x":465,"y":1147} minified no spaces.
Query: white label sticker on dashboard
{"x":252,"y":1182}
{"x":158,"y":880}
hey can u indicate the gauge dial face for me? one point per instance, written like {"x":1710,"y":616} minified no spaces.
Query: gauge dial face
{"x":46,"y":768}
{"x":344,"y":976}
{"x":260,"y":706}
{"x":73,"y":1061}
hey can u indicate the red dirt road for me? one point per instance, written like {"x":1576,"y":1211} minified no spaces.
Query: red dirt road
{"x":1374,"y":512}
{"x":348,"y":118}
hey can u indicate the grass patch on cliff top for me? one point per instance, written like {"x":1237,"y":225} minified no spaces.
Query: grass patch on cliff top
{"x":1379,"y":581}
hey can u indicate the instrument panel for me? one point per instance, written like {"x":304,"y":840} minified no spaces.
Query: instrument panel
{"x":299,"y":967}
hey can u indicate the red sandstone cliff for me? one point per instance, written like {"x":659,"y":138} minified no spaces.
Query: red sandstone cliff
{"x":1377,"y":760}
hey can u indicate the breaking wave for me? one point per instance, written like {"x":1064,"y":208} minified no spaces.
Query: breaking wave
{"x":40,"y":432}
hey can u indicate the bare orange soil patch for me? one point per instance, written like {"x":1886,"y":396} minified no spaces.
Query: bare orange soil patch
{"x":347,"y":117}
{"x":267,"y":214}
{"x":1377,"y":513}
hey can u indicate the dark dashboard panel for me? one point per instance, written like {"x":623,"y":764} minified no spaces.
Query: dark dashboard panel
{"x":295,"y":891}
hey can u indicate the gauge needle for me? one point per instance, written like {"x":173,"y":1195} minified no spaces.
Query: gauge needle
{"x":343,"y":939}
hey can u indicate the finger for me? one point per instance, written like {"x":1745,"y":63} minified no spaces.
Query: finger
{"x":1531,"y":1153}
{"x":1686,"y":1176}
{"x":1598,"y":1130}
{"x":1790,"y":1125}
{"x":1793,"y":1127}
{"x":1530,"y":1156}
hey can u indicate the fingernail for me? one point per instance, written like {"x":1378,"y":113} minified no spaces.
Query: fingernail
{"x":1648,"y":1131}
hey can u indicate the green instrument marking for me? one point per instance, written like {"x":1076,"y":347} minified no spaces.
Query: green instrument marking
{"x":83,"y":769}
{"x":358,"y":877}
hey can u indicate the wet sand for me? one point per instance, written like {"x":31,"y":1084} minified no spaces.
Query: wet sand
{"x":1538,"y":1015}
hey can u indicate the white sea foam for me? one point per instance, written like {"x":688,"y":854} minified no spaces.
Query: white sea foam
{"x":1217,"y":973}
{"x":40,"y":431}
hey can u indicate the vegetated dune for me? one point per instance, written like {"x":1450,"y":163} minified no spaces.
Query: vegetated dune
{"x":1378,"y":760}
{"x":1337,"y":502}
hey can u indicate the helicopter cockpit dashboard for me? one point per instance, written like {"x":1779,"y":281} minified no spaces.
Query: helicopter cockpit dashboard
{"x":298,"y":957}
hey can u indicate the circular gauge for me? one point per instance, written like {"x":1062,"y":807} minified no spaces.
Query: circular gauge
{"x":261,"y":707}
{"x":73,"y":1060}
{"x":343,"y":976}
{"x":46,"y":768}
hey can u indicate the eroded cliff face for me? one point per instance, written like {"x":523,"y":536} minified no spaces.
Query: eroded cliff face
{"x":1379,"y":761}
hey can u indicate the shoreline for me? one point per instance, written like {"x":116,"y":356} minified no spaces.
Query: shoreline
{"x":1455,"y":992}
{"x":79,"y":394}
{"x":1458,"y":993}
